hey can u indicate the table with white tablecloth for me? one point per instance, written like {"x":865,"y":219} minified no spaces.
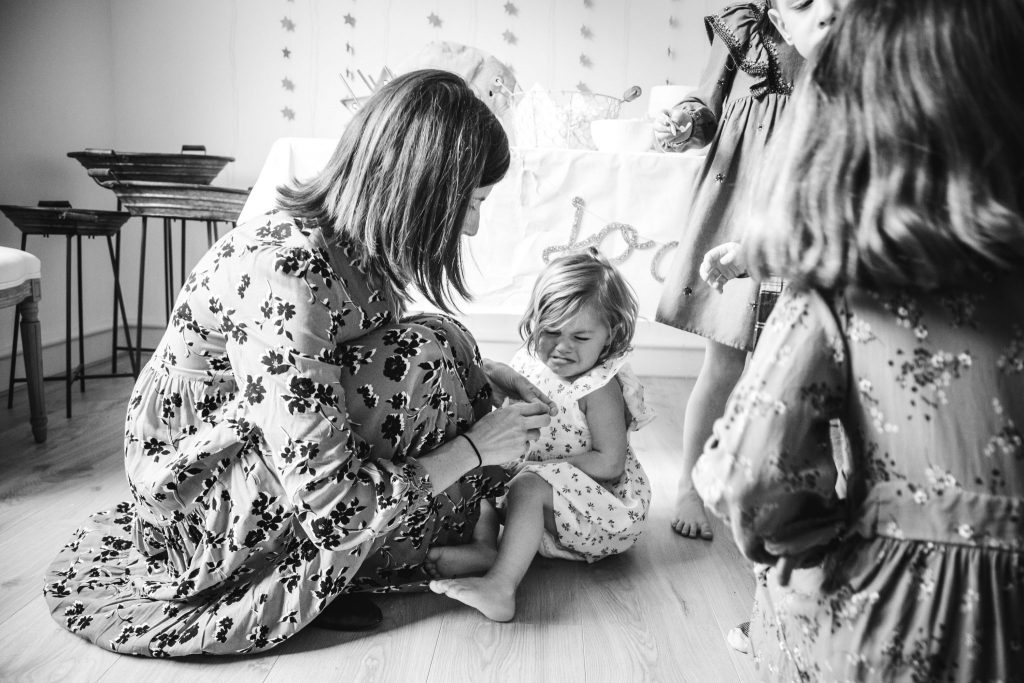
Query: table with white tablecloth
{"x":631,"y":206}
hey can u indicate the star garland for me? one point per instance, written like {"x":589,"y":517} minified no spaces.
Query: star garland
{"x":629,"y":234}
{"x":508,"y":36}
{"x":585,"y":61}
{"x":289,"y":86}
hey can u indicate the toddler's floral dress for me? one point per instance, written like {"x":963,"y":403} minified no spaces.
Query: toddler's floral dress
{"x":594,"y":519}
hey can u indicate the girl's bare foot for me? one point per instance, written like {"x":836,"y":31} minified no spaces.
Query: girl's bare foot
{"x":690,"y":518}
{"x":494,"y":600}
{"x":451,"y":561}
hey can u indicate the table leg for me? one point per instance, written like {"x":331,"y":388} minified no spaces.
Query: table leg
{"x":115,"y":263}
{"x":14,"y":342}
{"x":168,"y":267}
{"x":68,"y":377}
{"x":142,"y":285}
{"x":174,"y":294}
{"x":81,"y":326}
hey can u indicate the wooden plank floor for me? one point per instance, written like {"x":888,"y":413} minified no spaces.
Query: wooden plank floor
{"x":658,"y":613}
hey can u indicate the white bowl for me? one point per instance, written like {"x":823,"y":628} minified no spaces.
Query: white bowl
{"x":622,"y":135}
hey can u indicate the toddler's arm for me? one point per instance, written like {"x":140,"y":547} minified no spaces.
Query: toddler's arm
{"x":606,"y":417}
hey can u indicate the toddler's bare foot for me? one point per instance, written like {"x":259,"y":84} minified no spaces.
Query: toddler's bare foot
{"x":690,"y":518}
{"x":494,"y":600}
{"x":451,"y":561}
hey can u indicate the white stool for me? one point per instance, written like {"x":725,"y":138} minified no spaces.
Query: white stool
{"x":20,"y":274}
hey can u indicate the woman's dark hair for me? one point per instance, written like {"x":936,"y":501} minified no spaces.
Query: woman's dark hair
{"x":902,"y":162}
{"x":401,"y":178}
{"x":571,"y":283}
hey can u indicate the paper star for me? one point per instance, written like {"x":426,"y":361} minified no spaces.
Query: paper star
{"x":286,"y":52}
{"x":582,"y":87}
{"x":673,"y":22}
{"x":586,"y":32}
{"x":588,"y":3}
{"x":350,"y":20}
{"x":509,"y":37}
{"x":287,"y":84}
{"x":288,"y":114}
{"x":287,"y":24}
{"x":434,"y":20}
{"x":511,"y":9}
{"x":585,"y":61}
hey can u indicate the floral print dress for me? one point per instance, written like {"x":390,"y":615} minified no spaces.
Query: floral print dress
{"x":595,"y":519}
{"x":921,"y":572}
{"x":270,"y":449}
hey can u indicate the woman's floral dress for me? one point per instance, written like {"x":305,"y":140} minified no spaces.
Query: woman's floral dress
{"x":922,"y":565}
{"x":270,"y":449}
{"x":595,"y":519}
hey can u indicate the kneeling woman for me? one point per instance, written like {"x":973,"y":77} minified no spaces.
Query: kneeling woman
{"x":293,"y":437}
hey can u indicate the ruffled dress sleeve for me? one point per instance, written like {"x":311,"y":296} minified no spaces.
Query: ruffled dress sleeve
{"x":632,"y":390}
{"x":731,"y":34}
{"x":640,"y":413}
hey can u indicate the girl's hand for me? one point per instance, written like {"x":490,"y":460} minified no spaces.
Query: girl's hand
{"x":502,"y":436}
{"x":507,"y":383}
{"x":672,"y":128}
{"x":723,"y":263}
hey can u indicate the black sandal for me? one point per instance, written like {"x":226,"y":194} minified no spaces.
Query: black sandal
{"x":350,"y":612}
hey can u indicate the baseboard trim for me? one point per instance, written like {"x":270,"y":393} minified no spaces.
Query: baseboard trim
{"x":97,"y":349}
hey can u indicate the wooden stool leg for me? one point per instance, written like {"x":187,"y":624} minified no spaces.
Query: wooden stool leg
{"x":32,"y":340}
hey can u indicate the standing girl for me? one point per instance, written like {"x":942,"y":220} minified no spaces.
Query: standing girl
{"x":580,"y":493}
{"x":744,"y":90}
{"x":902,"y":238}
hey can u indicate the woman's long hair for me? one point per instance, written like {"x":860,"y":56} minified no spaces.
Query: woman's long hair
{"x":401,"y":178}
{"x":902,"y":163}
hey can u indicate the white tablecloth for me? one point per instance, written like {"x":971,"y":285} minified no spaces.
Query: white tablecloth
{"x":532,"y":210}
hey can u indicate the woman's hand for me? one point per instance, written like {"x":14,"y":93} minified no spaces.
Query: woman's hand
{"x":672,"y":128}
{"x":723,"y":263}
{"x":507,"y":383}
{"x":503,"y":435}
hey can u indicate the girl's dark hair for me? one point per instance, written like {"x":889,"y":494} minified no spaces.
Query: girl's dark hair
{"x":902,"y":162}
{"x":400,"y":181}
{"x":571,"y":283}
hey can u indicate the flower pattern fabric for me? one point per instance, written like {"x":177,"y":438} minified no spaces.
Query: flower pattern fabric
{"x":270,"y":449}
{"x":594,"y":519}
{"x":918,"y":573}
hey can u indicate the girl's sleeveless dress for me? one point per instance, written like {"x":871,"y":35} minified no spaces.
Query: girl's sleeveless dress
{"x":743,"y":92}
{"x":594,"y":519}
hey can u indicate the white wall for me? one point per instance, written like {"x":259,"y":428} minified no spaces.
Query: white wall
{"x":57,"y":85}
{"x":151,"y":75}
